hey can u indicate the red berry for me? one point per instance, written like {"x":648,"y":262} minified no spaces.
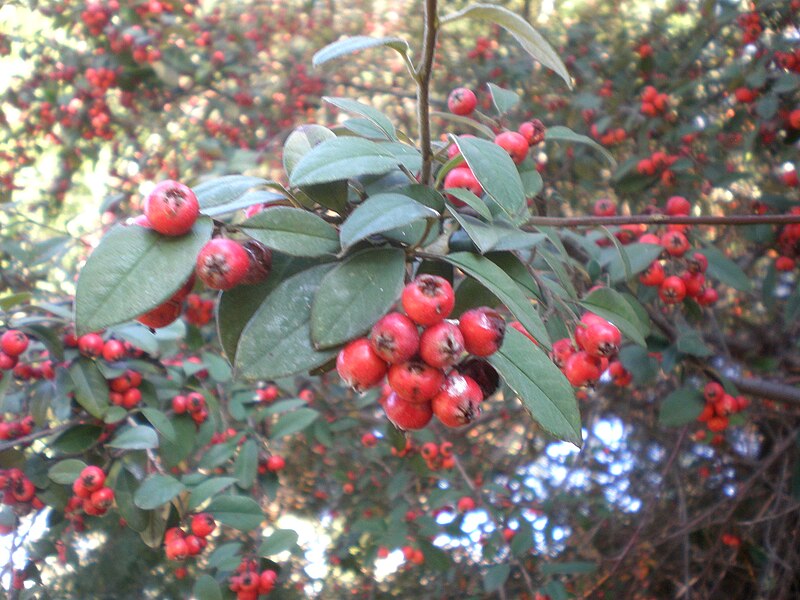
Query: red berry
{"x":672,"y":290}
{"x":91,"y":345}
{"x":179,"y":404}
{"x":113,"y":350}
{"x":7,"y":362}
{"x":359,"y":366}
{"x":465,"y":504}
{"x":415,"y":381}
{"x":675,"y":243}
{"x":462,"y":101}
{"x":605,"y":208}
{"x":395,"y":338}
{"x":161,"y":316}
{"x":441,"y":345}
{"x":171,"y":208}
{"x":483,"y":330}
{"x":275,"y":463}
{"x":600,"y":339}
{"x":176,"y":549}
{"x":562,"y":350}
{"x":92,"y":478}
{"x":652,"y":276}
{"x":103,"y":498}
{"x":203,"y":525}
{"x":222,"y":264}
{"x":13,"y":342}
{"x":407,"y":415}
{"x":260,"y":262}
{"x":462,"y":177}
{"x":429,"y":450}
{"x":678,"y":205}
{"x":459,"y":401}
{"x":428,"y":300}
{"x":533,"y":131}
{"x":515,"y":144}
{"x":582,"y":369}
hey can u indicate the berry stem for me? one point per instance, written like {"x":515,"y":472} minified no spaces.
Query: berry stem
{"x":424,"y":71}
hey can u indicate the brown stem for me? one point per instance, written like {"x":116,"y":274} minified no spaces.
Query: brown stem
{"x":663,"y":220}
{"x":423,"y":88}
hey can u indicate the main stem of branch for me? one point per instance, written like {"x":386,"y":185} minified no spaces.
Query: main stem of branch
{"x":423,"y":88}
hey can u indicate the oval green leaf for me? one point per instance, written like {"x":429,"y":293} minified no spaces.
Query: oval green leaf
{"x":355,"y":294}
{"x":614,"y":307}
{"x":279,"y":541}
{"x":357,"y":43}
{"x":343,"y":158}
{"x":293,"y":231}
{"x":135,"y":438}
{"x":293,"y":422}
{"x":156,"y":491}
{"x":382,"y":212}
{"x":133,"y":270}
{"x":91,"y":390}
{"x":240,"y":512}
{"x":66,"y":471}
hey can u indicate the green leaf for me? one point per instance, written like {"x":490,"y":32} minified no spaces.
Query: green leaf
{"x":791,"y":311}
{"x":642,"y":366}
{"x":135,"y":438}
{"x":284,"y":319}
{"x":681,"y":407}
{"x":357,"y":43}
{"x":531,"y":40}
{"x":185,"y":435}
{"x":541,"y":386}
{"x":66,"y":471}
{"x":614,"y":307}
{"x":207,"y":489}
{"x":691,"y":342}
{"x":246,"y":201}
{"x":160,"y":421}
{"x":505,"y":288}
{"x":559,"y":133}
{"x":218,"y":192}
{"x":207,"y":588}
{"x":293,"y":231}
{"x":382,"y":212}
{"x":355,"y":294}
{"x":246,"y":466}
{"x":343,"y":158}
{"x":495,"y":171}
{"x":279,"y":541}
{"x":9,"y":301}
{"x":640,"y":256}
{"x":504,"y":100}
{"x":124,"y":488}
{"x":133,"y":270}
{"x":728,"y":272}
{"x":577,"y":567}
{"x":495,"y":577}
{"x":240,"y":512}
{"x":623,"y":255}
{"x":532,"y":182}
{"x":372,"y":115}
{"x":156,"y":491}
{"x":283,"y":406}
{"x":465,"y":122}
{"x":301,"y":141}
{"x":77,"y":439}
{"x":471,"y":200}
{"x":237,"y":306}
{"x":292,"y":422}
{"x":91,"y":390}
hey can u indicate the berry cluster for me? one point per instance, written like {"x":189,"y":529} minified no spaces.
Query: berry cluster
{"x":248,"y":583}
{"x":199,"y":311}
{"x":438,"y":456}
{"x":751,"y":27}
{"x":180,"y":544}
{"x":18,"y":491}
{"x":653,"y":102}
{"x":171,"y":209}
{"x":271,"y":464}
{"x":91,"y":493}
{"x":124,"y":390}
{"x":719,"y":406}
{"x":658,"y":163}
{"x":193,"y":403}
{"x":597,"y":342}
{"x":16,"y":428}
{"x":12,"y":344}
{"x":416,"y":363}
{"x":789,"y":245}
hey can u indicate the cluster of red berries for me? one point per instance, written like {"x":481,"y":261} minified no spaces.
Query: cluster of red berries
{"x":658,"y":163}
{"x":171,"y":209}
{"x":248,"y":583}
{"x":16,"y":428}
{"x":271,"y":464}
{"x":608,"y":136}
{"x":180,"y":544}
{"x":719,"y":406}
{"x":124,"y":390}
{"x":13,"y":343}
{"x":484,"y":49}
{"x":653,"y":102}
{"x":199,"y":311}
{"x":91,"y":493}
{"x":597,"y":342}
{"x":789,"y":60}
{"x":438,"y":456}
{"x":789,"y":244}
{"x":751,"y":27}
{"x":18,"y":491}
{"x":267,"y":393}
{"x":416,"y":363}
{"x":193,"y":403}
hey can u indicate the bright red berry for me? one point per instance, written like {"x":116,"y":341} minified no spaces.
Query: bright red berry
{"x":415,"y":381}
{"x":675,"y":243}
{"x":407,"y":415}
{"x":428,"y":300}
{"x":441,"y":345}
{"x":171,"y":208}
{"x":203,"y":525}
{"x":678,"y":205}
{"x":582,"y":369}
{"x":395,"y":338}
{"x":222,"y":264}
{"x":533,"y":131}
{"x":462,"y":177}
{"x":483,"y":330}
{"x":672,"y":290}
{"x":91,"y":345}
{"x":652,"y":276}
{"x":162,"y":315}
{"x":276,"y":463}
{"x":604,"y":207}
{"x":14,"y":342}
{"x":462,"y":101}
{"x":92,"y":478}
{"x":359,"y":366}
{"x":458,"y":403}
{"x":515,"y":144}
{"x":113,"y":350}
